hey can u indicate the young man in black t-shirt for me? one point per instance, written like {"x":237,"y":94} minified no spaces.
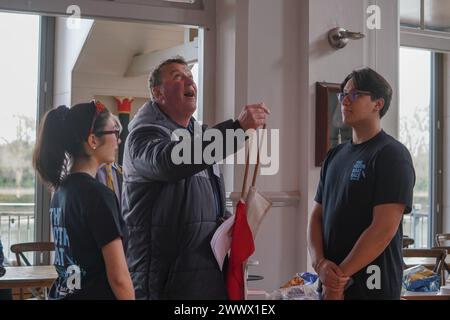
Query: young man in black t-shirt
{"x":366,"y":185}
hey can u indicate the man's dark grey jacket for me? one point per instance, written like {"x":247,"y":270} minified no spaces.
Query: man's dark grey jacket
{"x":169,"y":212}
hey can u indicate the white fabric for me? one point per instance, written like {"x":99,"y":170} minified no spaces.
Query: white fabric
{"x":257,"y":208}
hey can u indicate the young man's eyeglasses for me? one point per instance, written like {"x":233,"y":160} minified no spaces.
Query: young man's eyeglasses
{"x":352,"y":95}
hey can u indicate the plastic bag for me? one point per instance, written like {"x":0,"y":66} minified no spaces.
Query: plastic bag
{"x":420,"y":279}
{"x":303,"y":286}
{"x":310,"y":278}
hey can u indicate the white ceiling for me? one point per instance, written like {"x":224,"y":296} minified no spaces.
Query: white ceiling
{"x":437,"y":13}
{"x":112,"y":45}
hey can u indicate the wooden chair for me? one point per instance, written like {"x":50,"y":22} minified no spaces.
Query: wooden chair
{"x":407,"y":241}
{"x":42,"y":251}
{"x":442,"y":239}
{"x":40,"y":248}
{"x":446,"y":265}
{"x":438,"y":254}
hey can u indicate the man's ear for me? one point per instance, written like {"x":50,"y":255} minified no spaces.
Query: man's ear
{"x":379,"y":105}
{"x":157,"y":94}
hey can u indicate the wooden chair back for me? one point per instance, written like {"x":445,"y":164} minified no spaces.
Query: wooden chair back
{"x":41,"y":249}
{"x":38,"y":247}
{"x":407,"y":241}
{"x":442,"y":239}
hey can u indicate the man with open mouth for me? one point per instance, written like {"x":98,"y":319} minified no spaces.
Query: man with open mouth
{"x":172,"y":210}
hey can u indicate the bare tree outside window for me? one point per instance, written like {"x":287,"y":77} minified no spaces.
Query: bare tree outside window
{"x":415,"y":102}
{"x":18,"y":96}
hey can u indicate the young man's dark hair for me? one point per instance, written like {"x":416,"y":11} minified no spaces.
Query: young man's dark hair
{"x":155,"y":76}
{"x":368,"y":80}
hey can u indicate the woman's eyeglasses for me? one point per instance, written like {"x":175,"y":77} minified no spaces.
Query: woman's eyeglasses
{"x":352,"y":95}
{"x":115,"y":132}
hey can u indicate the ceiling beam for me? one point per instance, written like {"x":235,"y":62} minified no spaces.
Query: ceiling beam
{"x":196,"y":14}
{"x":145,"y":63}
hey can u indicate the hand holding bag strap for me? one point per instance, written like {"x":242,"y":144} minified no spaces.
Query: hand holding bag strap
{"x":255,"y":173}
{"x":244,"y":184}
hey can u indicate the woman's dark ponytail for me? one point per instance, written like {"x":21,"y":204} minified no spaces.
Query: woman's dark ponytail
{"x":50,"y":154}
{"x":62,"y":137}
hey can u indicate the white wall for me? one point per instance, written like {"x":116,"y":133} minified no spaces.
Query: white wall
{"x":273,"y":76}
{"x":258,"y":60}
{"x":226,"y":70}
{"x":68,"y":45}
{"x":384,"y":57}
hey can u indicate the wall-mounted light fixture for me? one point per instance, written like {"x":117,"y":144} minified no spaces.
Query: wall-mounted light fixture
{"x":339,"y":37}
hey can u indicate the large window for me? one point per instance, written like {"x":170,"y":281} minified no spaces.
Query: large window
{"x":416,"y":131}
{"x":19,"y":38}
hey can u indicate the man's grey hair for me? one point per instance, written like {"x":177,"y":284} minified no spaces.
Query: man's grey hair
{"x":155,"y":77}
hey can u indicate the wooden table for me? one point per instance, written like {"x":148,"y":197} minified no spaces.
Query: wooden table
{"x":28,"y":277}
{"x":408,"y":295}
{"x":427,"y":262}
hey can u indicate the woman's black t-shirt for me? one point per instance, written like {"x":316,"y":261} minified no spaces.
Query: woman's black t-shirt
{"x":85,"y":217}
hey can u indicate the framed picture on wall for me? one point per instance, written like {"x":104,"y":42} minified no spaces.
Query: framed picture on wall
{"x":330,"y":130}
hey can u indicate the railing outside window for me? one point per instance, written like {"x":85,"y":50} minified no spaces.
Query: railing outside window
{"x":16,"y":225}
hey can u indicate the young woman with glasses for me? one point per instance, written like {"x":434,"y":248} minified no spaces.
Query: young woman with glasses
{"x":87,"y":227}
{"x":110,"y":173}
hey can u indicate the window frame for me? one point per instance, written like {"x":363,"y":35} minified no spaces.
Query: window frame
{"x":439,"y":43}
{"x":45,"y":103}
{"x":436,"y":145}
{"x":435,"y":223}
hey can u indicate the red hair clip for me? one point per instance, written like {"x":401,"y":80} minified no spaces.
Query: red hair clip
{"x":99,"y":108}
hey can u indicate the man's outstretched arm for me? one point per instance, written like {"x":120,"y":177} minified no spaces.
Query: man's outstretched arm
{"x":151,"y":148}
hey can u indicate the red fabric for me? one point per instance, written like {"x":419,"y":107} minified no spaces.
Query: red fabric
{"x":242,"y":247}
{"x":124,"y":104}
